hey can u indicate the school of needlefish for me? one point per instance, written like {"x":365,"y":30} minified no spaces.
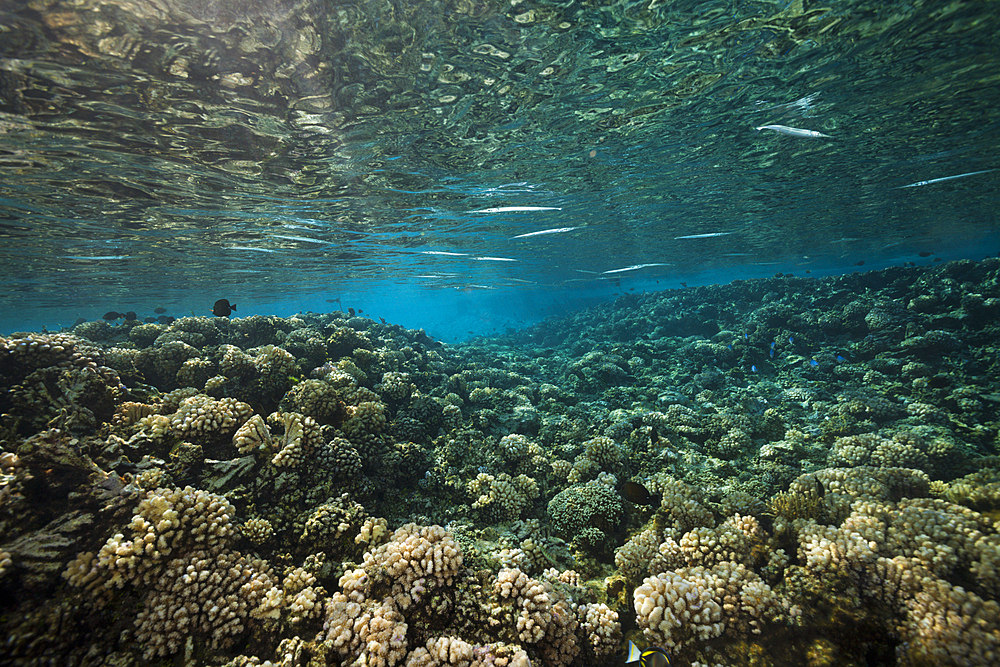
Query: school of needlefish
{"x":798,"y":132}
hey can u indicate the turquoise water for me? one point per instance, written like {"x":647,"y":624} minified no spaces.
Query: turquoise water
{"x":284,"y":155}
{"x":557,"y":325}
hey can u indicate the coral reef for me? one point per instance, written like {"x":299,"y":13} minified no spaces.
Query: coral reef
{"x":821,"y":460}
{"x":588,"y":513}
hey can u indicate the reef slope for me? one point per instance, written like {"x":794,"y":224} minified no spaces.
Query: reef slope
{"x":820,"y":456}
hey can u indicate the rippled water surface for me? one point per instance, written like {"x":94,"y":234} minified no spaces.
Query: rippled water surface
{"x":172,"y":151}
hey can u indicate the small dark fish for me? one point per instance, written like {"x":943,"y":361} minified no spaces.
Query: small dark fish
{"x":112,"y":315}
{"x":654,"y":437}
{"x":634,"y":492}
{"x":924,"y":253}
{"x":337,"y":300}
{"x":422,"y":337}
{"x":860,"y":262}
{"x":165,"y":319}
{"x":130,"y":315}
{"x":779,"y":275}
{"x":820,"y":489}
{"x":684,"y":284}
{"x":937,"y":259}
{"x":149,"y":320}
{"x":159,"y":310}
{"x":382,"y":320}
{"x":360,"y":311}
{"x":653,"y":656}
{"x":350,"y":311}
{"x":222,"y":308}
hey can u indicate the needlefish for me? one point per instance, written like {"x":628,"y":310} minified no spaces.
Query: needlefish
{"x":517,"y":209}
{"x":945,"y":178}
{"x":558,"y":230}
{"x":702,"y":236}
{"x":795,"y":132}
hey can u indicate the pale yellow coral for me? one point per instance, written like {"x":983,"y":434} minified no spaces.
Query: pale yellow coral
{"x":544,"y":617}
{"x":202,"y":593}
{"x":601,"y":628}
{"x":257,"y":530}
{"x":673,"y":610}
{"x":502,"y":497}
{"x":129,"y":413}
{"x":302,"y":436}
{"x":165,"y":520}
{"x":373,"y":531}
{"x":413,"y":552}
{"x":303,"y":598}
{"x":202,"y":417}
{"x":252,"y":436}
{"x":514,"y":446}
{"x":604,"y":451}
{"x":5,"y":562}
{"x":378,"y":629}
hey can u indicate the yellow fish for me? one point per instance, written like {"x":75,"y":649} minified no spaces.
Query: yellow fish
{"x":653,"y":656}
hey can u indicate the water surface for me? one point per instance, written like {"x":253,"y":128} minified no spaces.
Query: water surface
{"x":286,"y":154}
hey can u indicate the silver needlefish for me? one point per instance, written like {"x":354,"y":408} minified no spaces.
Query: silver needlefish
{"x":304,"y":239}
{"x":944,"y":178}
{"x":795,"y":132}
{"x":558,"y":230}
{"x":516,"y":209}
{"x":634,"y":267}
{"x":702,"y":236}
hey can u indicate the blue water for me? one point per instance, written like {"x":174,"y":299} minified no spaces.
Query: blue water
{"x":169,"y":157}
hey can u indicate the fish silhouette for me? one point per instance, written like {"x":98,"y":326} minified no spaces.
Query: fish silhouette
{"x":222,"y":308}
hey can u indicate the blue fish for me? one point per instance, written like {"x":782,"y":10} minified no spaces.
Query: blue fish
{"x":791,"y":340}
{"x":772,"y":349}
{"x":813,"y":363}
{"x":841,"y":359}
{"x":753,"y":368}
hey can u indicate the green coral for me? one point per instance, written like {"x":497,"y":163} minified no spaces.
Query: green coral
{"x":592,"y":505}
